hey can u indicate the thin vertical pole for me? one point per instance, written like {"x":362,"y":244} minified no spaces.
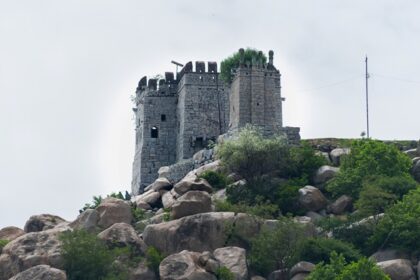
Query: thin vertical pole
{"x":367,"y":98}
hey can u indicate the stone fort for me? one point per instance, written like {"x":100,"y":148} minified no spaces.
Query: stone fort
{"x":179,"y":115}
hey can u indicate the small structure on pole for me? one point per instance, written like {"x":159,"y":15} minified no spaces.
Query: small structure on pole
{"x":367,"y":98}
{"x":177,"y":64}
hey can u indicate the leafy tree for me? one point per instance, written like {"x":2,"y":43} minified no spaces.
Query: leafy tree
{"x":400,"y":226}
{"x":217,"y":180}
{"x":232,"y":62}
{"x":317,"y":250}
{"x":338,"y":269}
{"x":278,"y":248}
{"x":85,"y":256}
{"x":373,"y":200}
{"x":252,"y":156}
{"x":368,"y":158}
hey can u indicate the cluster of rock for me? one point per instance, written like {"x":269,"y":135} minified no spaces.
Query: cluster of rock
{"x":182,"y":225}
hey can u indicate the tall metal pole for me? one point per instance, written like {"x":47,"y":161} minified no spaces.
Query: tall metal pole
{"x":367,"y":98}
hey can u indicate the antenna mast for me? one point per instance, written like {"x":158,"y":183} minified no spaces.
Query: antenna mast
{"x":367,"y":98}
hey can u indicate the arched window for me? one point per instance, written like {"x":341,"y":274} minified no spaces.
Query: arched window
{"x":154,"y":132}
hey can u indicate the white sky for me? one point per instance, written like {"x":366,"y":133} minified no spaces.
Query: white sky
{"x":68,"y":68}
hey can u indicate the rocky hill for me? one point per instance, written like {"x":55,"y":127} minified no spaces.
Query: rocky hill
{"x":231,"y":220}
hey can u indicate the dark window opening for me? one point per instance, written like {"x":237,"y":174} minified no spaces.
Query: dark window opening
{"x":154,"y":133}
{"x":163,"y":118}
{"x":199,"y":142}
{"x":258,"y":104}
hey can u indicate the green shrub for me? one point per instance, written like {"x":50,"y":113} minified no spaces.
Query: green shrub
{"x":139,"y":214}
{"x":368,"y":158}
{"x":251,"y":155}
{"x":287,"y":195}
{"x":396,"y":185}
{"x":224,"y":273}
{"x":153,"y":259}
{"x":85,"y":256}
{"x":277,"y":248}
{"x":400,"y":226}
{"x":352,"y":231}
{"x":232,"y":62}
{"x":217,"y":180}
{"x":3,"y":243}
{"x":338,"y":269}
{"x":266,"y":211}
{"x":317,"y":250}
{"x":96,"y":201}
{"x":373,"y":200}
{"x":304,"y":162}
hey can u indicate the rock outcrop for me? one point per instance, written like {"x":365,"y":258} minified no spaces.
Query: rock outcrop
{"x":234,"y":258}
{"x":42,"y":222}
{"x":192,"y":202}
{"x":202,"y":232}
{"x":183,"y":266}
{"x":29,"y":250}
{"x":113,"y":210}
{"x":312,"y":198}
{"x":41,"y":272}
{"x":10,"y":233}
{"x":399,"y":269}
{"x":122,"y":234}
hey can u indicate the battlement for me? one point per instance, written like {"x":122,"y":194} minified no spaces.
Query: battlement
{"x":200,"y":67}
{"x":157,"y":87}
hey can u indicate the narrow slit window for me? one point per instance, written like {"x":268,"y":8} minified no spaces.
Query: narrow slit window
{"x":163,"y":117}
{"x":154,"y":133}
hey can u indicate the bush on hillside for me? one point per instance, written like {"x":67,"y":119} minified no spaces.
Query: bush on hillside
{"x":153,"y":259}
{"x":251,"y":155}
{"x":338,"y":269}
{"x":316,"y":250}
{"x":373,"y":200}
{"x":216,"y":179}
{"x":3,"y":243}
{"x":232,"y":62}
{"x":278,"y":248}
{"x":368,"y":158}
{"x":224,"y":273}
{"x":265,"y":211}
{"x":274,"y":172}
{"x":400,"y":226}
{"x":351,"y":231}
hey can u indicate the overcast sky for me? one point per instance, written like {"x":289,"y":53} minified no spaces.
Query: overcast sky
{"x":68,"y":68}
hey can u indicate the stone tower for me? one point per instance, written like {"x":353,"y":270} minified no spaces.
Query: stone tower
{"x":178,"y":116}
{"x":255,"y":96}
{"x":155,"y":128}
{"x":203,"y":106}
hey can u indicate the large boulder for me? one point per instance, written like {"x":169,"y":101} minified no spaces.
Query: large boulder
{"x":416,"y":170}
{"x":220,"y":195}
{"x":312,"y":198}
{"x":42,"y":222}
{"x":142,"y":272}
{"x":192,"y":202}
{"x":10,"y":233}
{"x":234,"y":258}
{"x":399,"y":269}
{"x":337,"y":154}
{"x":113,"y":210}
{"x":412,"y":153}
{"x":168,"y":199}
{"x":150,"y":197}
{"x":325,"y":173}
{"x":41,"y":272}
{"x":122,"y":234}
{"x":192,"y":183}
{"x":87,"y":220}
{"x":183,"y":266}
{"x":161,"y":184}
{"x":301,"y":270}
{"x":388,"y":254}
{"x":29,"y":250}
{"x":202,"y":232}
{"x":343,"y":204}
{"x":212,"y":166}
